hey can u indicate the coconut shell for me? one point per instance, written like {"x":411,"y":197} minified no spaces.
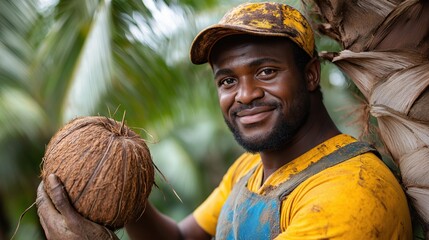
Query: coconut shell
{"x":105,"y":167}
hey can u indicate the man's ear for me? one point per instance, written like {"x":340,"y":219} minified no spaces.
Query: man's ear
{"x":312,"y":74}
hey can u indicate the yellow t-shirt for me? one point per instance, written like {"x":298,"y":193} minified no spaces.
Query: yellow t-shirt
{"x":357,"y":199}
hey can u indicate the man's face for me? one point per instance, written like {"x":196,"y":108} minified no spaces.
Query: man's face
{"x":262,"y":94}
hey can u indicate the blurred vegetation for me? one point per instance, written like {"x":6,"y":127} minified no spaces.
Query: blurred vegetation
{"x":61,"y":59}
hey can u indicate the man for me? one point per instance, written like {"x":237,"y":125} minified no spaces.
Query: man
{"x":301,"y":178}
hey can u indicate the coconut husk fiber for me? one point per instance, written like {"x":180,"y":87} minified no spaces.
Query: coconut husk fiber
{"x":105,"y":167}
{"x":386,"y":54}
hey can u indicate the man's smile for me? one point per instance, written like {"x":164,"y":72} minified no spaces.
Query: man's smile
{"x":254,"y":115}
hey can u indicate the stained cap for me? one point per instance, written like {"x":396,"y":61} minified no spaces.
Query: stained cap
{"x":262,"y":19}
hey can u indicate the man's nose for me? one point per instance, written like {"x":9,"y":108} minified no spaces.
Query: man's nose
{"x":248,"y":91}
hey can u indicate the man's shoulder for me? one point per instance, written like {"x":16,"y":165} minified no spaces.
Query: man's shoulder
{"x":363,"y":182}
{"x":358,"y":193}
{"x":363,"y":169}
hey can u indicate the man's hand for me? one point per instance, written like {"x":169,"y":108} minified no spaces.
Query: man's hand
{"x":60,"y":220}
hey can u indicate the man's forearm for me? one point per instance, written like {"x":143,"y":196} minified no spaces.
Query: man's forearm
{"x":153,"y":225}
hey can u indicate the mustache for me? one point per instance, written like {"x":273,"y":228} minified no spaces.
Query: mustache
{"x":242,"y":107}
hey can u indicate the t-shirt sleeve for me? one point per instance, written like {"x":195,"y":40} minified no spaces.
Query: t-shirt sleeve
{"x":358,"y":199}
{"x":208,"y":212}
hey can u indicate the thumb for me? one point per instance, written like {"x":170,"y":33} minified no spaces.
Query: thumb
{"x":59,"y":197}
{"x":48,"y":215}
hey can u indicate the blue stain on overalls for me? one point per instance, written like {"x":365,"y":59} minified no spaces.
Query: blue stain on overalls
{"x":247,"y":215}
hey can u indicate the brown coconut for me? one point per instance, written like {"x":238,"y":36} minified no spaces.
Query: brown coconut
{"x":106,"y":169}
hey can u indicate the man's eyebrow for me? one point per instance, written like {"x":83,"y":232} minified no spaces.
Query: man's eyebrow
{"x":223,"y":71}
{"x":260,"y":61}
{"x":252,"y":64}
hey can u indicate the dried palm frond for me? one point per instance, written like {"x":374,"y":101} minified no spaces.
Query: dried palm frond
{"x":387,"y":57}
{"x":366,"y":69}
{"x":402,"y":88}
{"x":344,"y":19}
{"x":406,"y":27}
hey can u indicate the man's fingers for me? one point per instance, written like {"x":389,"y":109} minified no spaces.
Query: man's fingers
{"x":59,"y":197}
{"x":61,"y":201}
{"x":58,"y":217}
{"x":43,"y":202}
{"x":46,"y":210}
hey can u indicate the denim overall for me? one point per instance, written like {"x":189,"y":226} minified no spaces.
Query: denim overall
{"x":247,"y":215}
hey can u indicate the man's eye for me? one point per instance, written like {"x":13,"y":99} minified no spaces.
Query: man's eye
{"x":267,"y":72}
{"x":226,"y":82}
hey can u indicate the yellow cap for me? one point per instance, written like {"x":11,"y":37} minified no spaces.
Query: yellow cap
{"x":263,"y":19}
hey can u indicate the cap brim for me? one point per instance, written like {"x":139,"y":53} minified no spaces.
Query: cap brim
{"x":206,"y":39}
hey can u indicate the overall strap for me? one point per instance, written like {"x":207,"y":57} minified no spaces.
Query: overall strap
{"x":338,"y":156}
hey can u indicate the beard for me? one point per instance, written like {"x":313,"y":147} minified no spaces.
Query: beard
{"x":284,"y":129}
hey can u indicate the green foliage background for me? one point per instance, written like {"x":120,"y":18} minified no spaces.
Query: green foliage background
{"x":61,"y":59}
